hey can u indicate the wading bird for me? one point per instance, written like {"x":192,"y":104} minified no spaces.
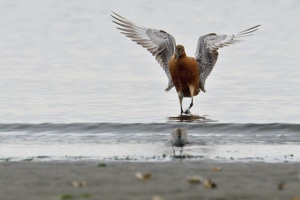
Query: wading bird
{"x":178,"y":139}
{"x":187,"y":74}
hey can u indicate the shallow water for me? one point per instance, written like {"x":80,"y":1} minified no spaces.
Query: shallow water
{"x":64,"y":63}
{"x":149,"y":142}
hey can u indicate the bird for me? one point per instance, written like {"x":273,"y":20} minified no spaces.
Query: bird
{"x":178,"y":139}
{"x":187,"y":74}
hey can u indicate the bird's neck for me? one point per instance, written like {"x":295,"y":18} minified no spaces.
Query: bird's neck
{"x":182,"y":54}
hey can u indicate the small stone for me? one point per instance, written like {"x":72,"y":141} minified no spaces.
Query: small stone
{"x":143,"y":176}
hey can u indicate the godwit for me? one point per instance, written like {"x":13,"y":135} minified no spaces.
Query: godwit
{"x":187,"y":74}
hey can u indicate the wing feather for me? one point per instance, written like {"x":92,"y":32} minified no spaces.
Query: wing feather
{"x":207,"y":51}
{"x":159,"y":43}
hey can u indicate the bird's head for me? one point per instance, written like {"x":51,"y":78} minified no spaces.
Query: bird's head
{"x":179,"y":51}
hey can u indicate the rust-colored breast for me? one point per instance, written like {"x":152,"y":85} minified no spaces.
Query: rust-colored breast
{"x":185,"y":74}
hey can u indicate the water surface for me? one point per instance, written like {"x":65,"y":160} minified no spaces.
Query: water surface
{"x":64,"y":63}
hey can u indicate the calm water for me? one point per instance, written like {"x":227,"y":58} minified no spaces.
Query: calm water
{"x":64,"y":63}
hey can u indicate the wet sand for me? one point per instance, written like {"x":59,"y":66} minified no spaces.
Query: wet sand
{"x":117,"y":180}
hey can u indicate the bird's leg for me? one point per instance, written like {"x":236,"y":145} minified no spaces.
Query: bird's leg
{"x":192,"y":95}
{"x":191,"y":105}
{"x":181,"y":151}
{"x":180,"y":96}
{"x":173,"y":151}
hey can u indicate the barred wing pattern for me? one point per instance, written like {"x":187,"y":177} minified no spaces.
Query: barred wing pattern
{"x":159,"y":43}
{"x":207,"y":54}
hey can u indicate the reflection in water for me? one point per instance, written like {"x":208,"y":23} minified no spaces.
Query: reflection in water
{"x":190,"y":118}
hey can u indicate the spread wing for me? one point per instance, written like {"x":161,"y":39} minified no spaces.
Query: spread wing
{"x":159,"y":43}
{"x":207,"y":54}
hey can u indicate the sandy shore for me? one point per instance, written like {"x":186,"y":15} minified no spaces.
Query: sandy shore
{"x":117,"y":180}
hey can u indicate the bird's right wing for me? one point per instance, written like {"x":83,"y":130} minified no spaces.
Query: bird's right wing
{"x":207,"y":54}
{"x":159,"y":43}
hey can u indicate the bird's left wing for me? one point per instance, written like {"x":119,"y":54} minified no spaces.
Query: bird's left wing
{"x":159,"y":43}
{"x":207,"y":54}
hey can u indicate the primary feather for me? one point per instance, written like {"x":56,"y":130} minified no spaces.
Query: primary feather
{"x":158,"y":42}
{"x":207,"y":54}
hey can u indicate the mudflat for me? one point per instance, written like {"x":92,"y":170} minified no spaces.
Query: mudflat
{"x":173,"y":180}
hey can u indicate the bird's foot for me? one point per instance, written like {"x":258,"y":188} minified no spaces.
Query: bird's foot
{"x":187,"y":111}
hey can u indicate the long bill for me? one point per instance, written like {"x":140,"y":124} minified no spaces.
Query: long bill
{"x":176,"y":56}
